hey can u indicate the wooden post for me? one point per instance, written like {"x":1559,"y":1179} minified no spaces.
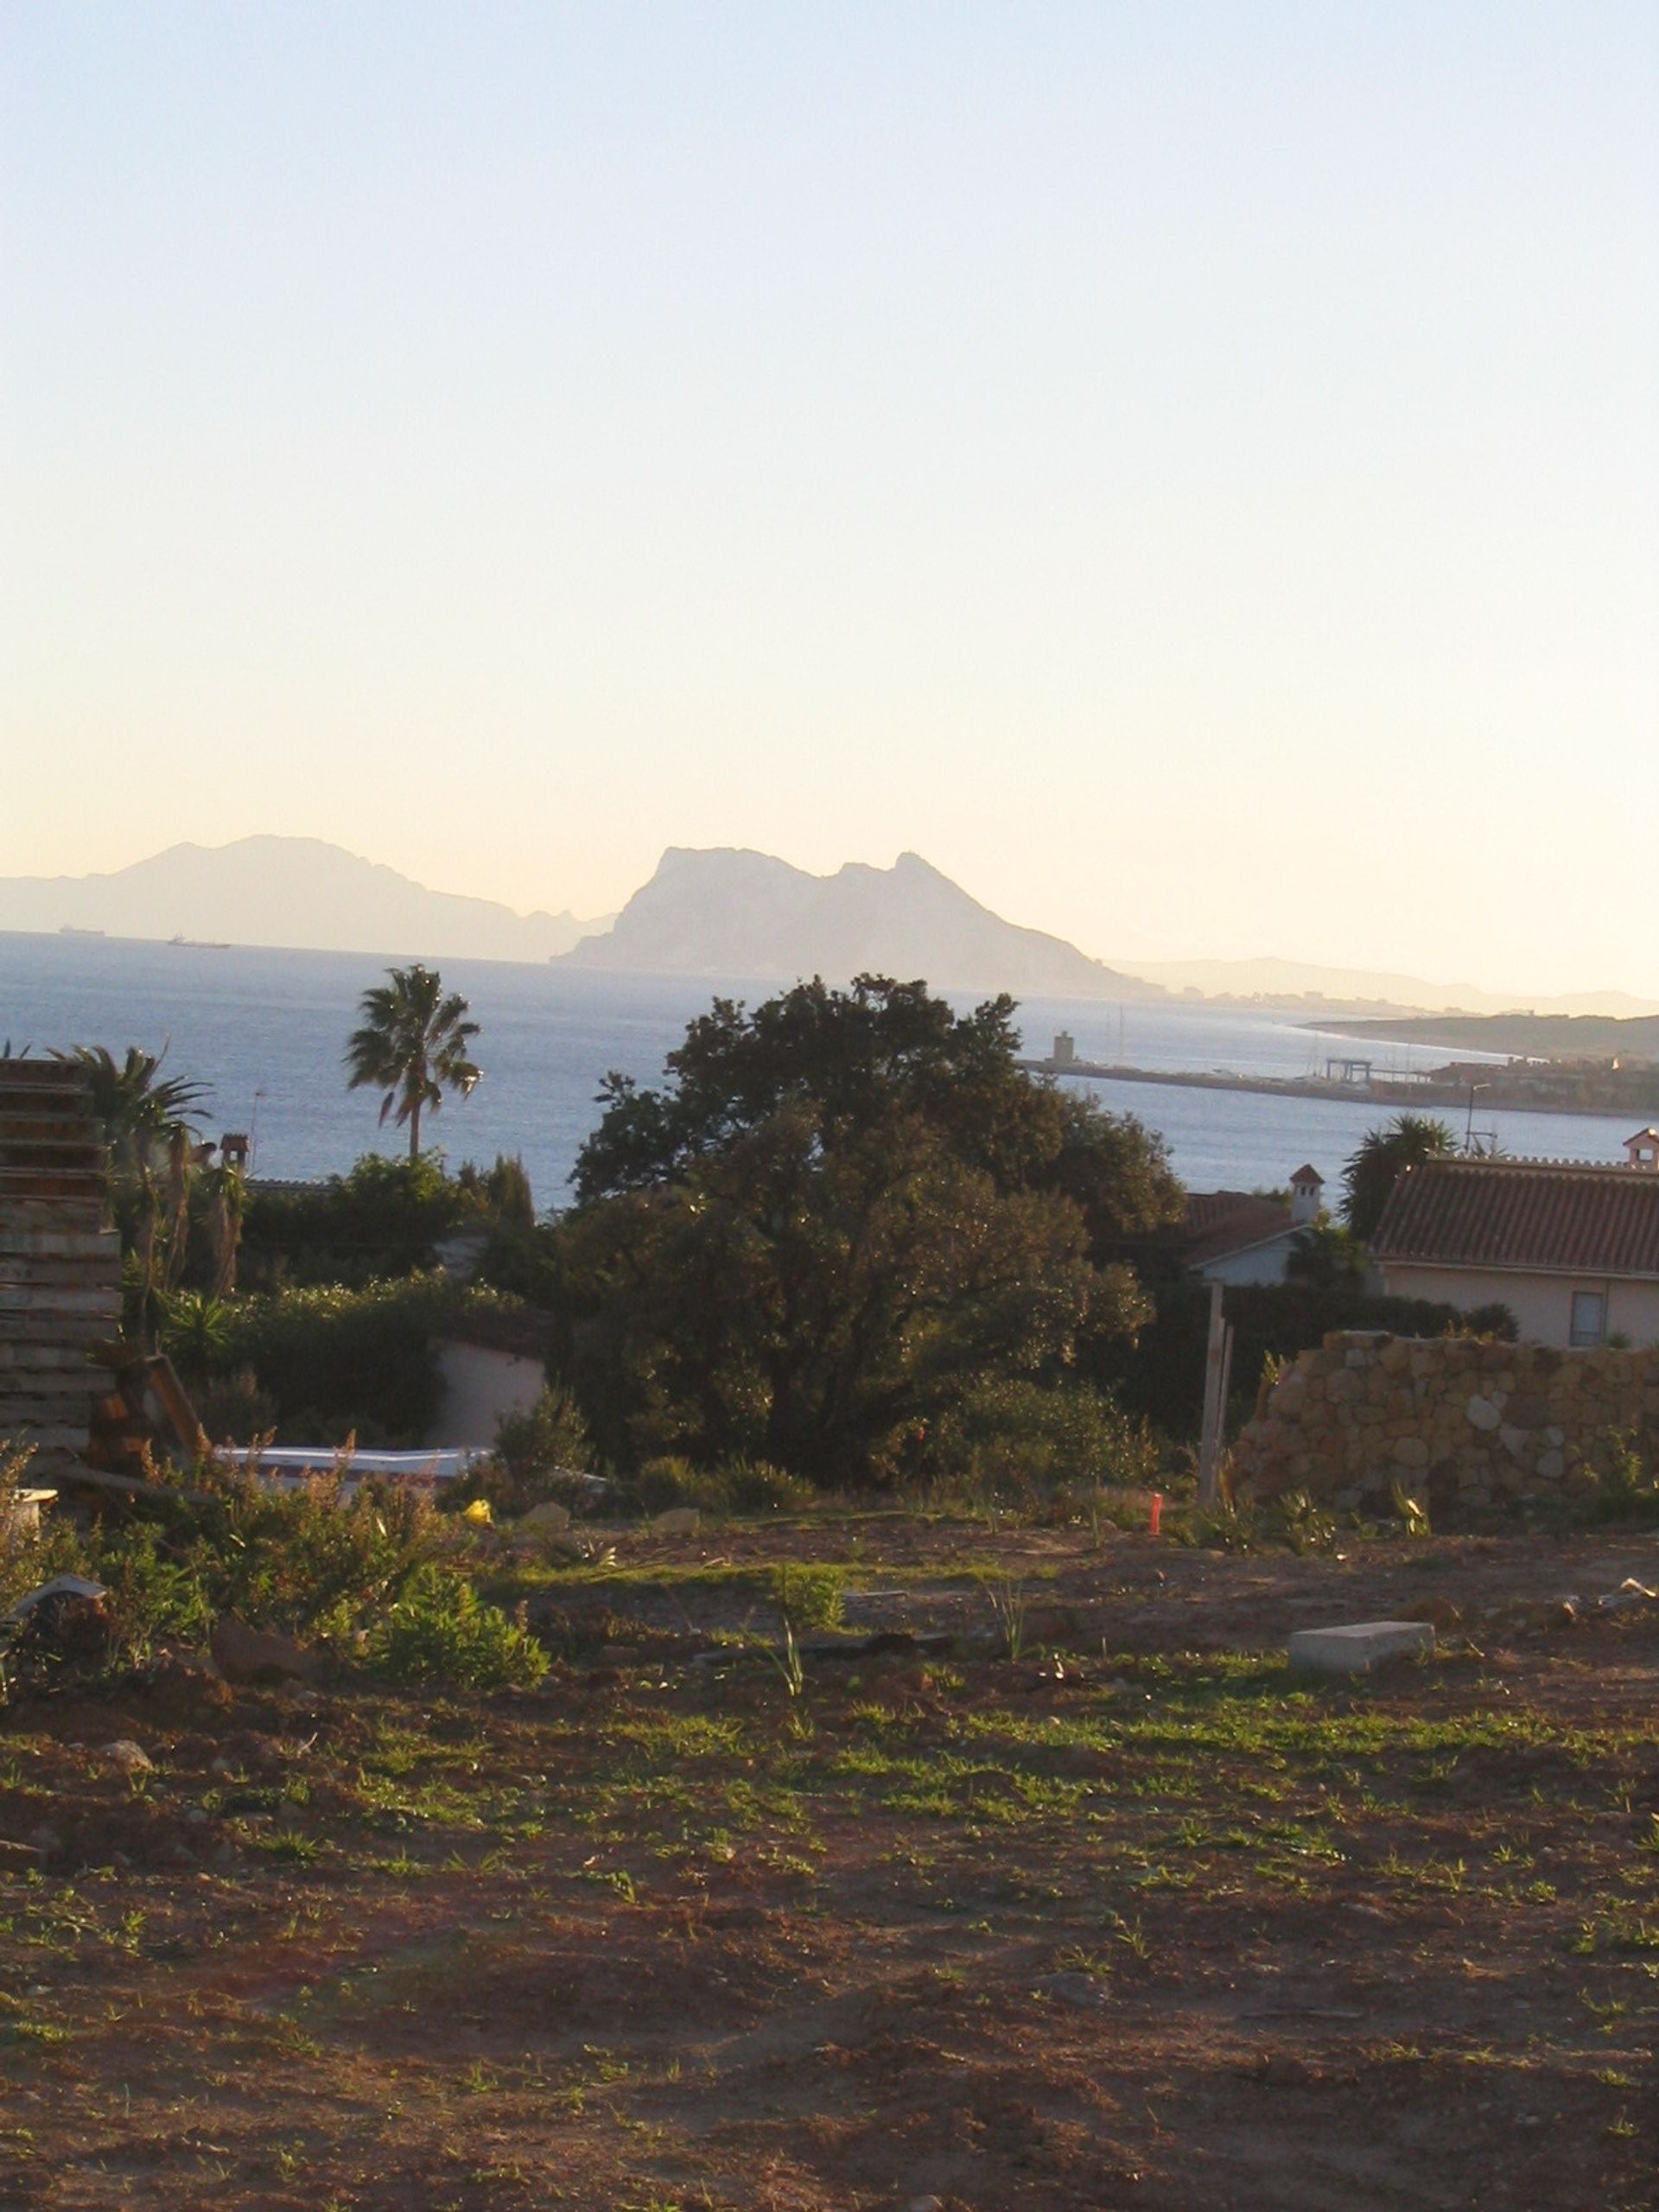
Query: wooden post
{"x":1214,"y":1402}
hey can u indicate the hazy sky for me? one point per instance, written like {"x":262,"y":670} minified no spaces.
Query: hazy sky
{"x":1190,"y":470}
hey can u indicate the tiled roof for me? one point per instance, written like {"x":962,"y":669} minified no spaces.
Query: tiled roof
{"x":1495,"y":1213}
{"x":1227,"y":1221}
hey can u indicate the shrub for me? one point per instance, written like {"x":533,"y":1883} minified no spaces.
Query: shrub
{"x":339,"y":1361}
{"x":232,"y":1408}
{"x":809,"y":1597}
{"x":535,"y":1453}
{"x":384,"y":1218}
{"x":755,"y":1486}
{"x":439,"y":1630}
{"x":1023,"y":1435}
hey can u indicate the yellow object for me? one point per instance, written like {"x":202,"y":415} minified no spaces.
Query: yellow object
{"x":479,"y":1512}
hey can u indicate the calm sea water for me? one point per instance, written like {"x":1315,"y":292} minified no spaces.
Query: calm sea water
{"x":265,"y":1032}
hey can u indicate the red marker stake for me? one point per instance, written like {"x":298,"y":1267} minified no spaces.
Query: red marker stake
{"x":1156,"y":1522}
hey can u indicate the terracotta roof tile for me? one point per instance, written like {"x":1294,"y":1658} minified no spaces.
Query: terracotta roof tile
{"x":1495,"y":1213}
{"x":1226,"y":1221}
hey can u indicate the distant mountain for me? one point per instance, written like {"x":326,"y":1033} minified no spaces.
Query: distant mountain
{"x":743,"y":914}
{"x":1283,"y":983}
{"x":283,"y":891}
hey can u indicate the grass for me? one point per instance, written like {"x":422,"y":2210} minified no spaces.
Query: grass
{"x":505,"y":1918}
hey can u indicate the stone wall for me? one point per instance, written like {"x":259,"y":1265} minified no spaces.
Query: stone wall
{"x":1471,"y":1424}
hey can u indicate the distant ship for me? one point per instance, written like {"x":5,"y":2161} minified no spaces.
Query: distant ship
{"x":70,"y":929}
{"x":199,"y":943}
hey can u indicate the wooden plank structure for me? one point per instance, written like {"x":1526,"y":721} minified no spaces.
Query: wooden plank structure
{"x":59,"y":1256}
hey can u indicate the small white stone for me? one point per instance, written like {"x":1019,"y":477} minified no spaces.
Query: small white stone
{"x":1358,"y":1647}
{"x":1482,"y":1413}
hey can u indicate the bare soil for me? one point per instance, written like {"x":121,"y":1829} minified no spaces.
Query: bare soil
{"x":1152,"y":1924}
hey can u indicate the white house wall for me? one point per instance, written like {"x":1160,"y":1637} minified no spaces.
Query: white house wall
{"x":479,"y":1386}
{"x":1260,"y":1263}
{"x":1541,"y":1303}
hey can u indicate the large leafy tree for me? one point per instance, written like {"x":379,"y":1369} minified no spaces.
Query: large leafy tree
{"x":844,"y":1210}
{"x":1383,"y":1155}
{"x":413,"y":1043}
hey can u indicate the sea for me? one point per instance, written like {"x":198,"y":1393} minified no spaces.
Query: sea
{"x":264,"y":1031}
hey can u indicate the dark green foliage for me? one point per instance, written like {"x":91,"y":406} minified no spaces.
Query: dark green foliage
{"x":1164,"y":1378}
{"x":748,"y":1488}
{"x":534,"y":1453}
{"x":438,"y":1629}
{"x":385,"y":1218}
{"x":501,"y":1193}
{"x":310,"y":1560}
{"x":845,"y":1208}
{"x":1326,"y":1256}
{"x":1376,"y":1166}
{"x":1011,"y":1434}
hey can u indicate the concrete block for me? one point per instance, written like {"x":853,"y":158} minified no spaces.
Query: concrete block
{"x":1359,"y":1646}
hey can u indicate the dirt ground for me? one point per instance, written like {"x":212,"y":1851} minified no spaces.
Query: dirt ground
{"x":1151,"y":1924}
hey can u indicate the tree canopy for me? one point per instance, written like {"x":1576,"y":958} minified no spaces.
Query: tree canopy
{"x":843,"y":1211}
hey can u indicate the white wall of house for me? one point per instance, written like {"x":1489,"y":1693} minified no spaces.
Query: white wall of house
{"x":479,"y":1386}
{"x":1541,"y":1303}
{"x":1257,"y":1263}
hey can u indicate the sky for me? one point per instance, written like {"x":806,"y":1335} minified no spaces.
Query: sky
{"x":1191,"y":470}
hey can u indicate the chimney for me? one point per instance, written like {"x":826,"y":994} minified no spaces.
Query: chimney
{"x":1307,"y":1203}
{"x":1642,"y":1150}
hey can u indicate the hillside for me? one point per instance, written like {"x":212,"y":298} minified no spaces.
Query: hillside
{"x":283,"y":891}
{"x":1287,"y":984}
{"x":744,"y":914}
{"x":1533,"y":1036}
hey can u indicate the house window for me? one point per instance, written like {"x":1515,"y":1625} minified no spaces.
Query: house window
{"x":1589,"y":1319}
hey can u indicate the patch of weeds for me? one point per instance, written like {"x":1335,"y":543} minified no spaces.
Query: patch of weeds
{"x":1005,"y":1596}
{"x":287,"y":1845}
{"x":810,"y":1597}
{"x":439,"y":1630}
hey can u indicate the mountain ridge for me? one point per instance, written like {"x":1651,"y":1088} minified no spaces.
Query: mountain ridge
{"x":300,"y":893}
{"x":729,"y":912}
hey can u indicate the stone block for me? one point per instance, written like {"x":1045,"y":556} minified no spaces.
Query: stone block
{"x":1481,"y":1412}
{"x":1358,"y":1647}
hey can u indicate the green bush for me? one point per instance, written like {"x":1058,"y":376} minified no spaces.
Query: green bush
{"x":663,"y":1483}
{"x":744,"y":1487}
{"x":439,"y":1630}
{"x":534,"y":1451}
{"x":386,"y":1217}
{"x":338,"y":1362}
{"x":755,"y":1487}
{"x":1019,"y":1435}
{"x":810,"y":1597}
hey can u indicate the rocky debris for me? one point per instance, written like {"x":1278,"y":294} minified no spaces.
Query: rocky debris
{"x":255,"y":1654}
{"x":679,"y":1520}
{"x":1083,"y":1990}
{"x":60,"y":1589}
{"x":68,"y":1617}
{"x":131,"y":1757}
{"x":547,"y":1519}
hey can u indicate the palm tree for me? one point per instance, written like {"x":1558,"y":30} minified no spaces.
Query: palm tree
{"x":145,"y":1120}
{"x":1376,"y":1166}
{"x":412,"y":1044}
